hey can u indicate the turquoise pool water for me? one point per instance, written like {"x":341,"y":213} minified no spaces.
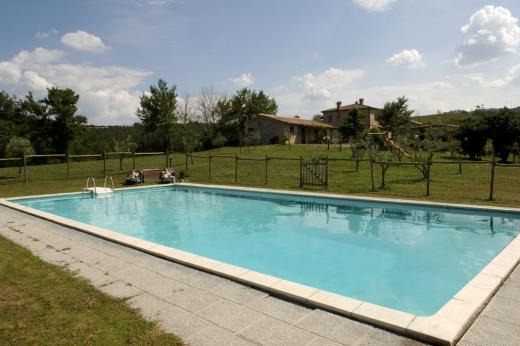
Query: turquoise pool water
{"x":407,"y":257}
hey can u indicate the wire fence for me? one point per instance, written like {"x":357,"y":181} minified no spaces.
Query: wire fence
{"x":459,"y":180}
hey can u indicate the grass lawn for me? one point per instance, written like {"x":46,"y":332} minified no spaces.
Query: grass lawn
{"x":46,"y":305}
{"x":447,"y":184}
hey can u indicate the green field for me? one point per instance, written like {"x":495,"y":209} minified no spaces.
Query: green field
{"x":447,"y":183}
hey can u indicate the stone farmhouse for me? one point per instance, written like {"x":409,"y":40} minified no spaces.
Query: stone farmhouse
{"x":336,"y":116}
{"x":274,"y":129}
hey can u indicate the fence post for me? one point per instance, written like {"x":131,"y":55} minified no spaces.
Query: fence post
{"x":460,"y":166}
{"x":209,"y":166}
{"x":133,"y":160}
{"x":186,"y":166}
{"x":328,"y":144}
{"x":105,"y":164}
{"x":166,"y":154}
{"x":372,"y":174}
{"x":120,"y":161}
{"x":492,"y":182}
{"x":25,"y":166}
{"x":266,"y":160}
{"x":326,"y":172}
{"x":68,"y":164}
{"x":428,"y":170}
{"x":301,"y":172}
{"x":382,"y":175}
{"x":236,"y":168}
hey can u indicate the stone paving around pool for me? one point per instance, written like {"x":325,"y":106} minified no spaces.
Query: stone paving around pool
{"x":205,"y":309}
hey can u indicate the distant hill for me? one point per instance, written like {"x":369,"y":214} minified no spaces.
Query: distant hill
{"x":455,"y":117}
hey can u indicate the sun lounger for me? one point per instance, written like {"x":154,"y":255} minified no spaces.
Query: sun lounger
{"x":167,"y":176}
{"x":135,"y":177}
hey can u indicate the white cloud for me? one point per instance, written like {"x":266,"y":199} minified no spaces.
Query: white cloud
{"x":511,"y":79}
{"x":375,"y":5}
{"x":328,"y":83}
{"x":409,"y":58}
{"x":245,"y":80}
{"x":463,"y":91}
{"x":35,"y":82}
{"x":84,"y":41}
{"x":46,"y":34}
{"x":491,"y":32}
{"x":311,"y":92}
{"x":108,"y":94}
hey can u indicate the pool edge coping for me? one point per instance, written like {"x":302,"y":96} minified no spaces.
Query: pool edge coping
{"x":444,"y":327}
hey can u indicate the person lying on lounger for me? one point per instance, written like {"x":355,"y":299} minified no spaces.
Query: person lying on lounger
{"x":135,"y":177}
{"x":167,"y":176}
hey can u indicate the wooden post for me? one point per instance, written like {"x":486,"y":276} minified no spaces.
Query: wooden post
{"x":326,"y":172}
{"x":25,"y":167}
{"x":105,"y":164}
{"x":460,"y":166}
{"x":492,"y":180}
{"x":209,"y":166}
{"x":301,"y":172}
{"x":266,"y":160}
{"x":236,"y":168}
{"x":68,"y":165}
{"x":328,"y":144}
{"x":382,"y":175}
{"x":339,"y":145}
{"x":166,"y":154}
{"x":372,"y":174}
{"x":133,"y":160}
{"x":186,"y":166}
{"x":120,"y":162}
{"x":428,"y":170}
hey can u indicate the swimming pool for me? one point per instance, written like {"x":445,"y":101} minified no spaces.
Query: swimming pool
{"x":408,"y":257}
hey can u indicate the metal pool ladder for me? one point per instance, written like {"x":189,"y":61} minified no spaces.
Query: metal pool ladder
{"x":99,"y":190}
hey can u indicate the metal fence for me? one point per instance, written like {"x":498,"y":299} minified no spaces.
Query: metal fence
{"x":460,"y":180}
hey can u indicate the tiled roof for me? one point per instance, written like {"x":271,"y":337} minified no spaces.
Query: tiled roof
{"x":349,"y":107}
{"x":298,"y":121}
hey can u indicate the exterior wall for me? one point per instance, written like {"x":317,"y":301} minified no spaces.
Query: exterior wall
{"x":337,"y":120}
{"x":272,"y":131}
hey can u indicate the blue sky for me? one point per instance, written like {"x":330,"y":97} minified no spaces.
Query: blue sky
{"x":441,"y":54}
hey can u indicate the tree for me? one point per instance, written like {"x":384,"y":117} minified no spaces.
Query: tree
{"x":218,"y":141}
{"x":40,"y":126}
{"x":353,"y":125}
{"x":8,"y":120}
{"x":395,"y":114}
{"x":19,"y":147}
{"x":236,"y":112}
{"x":207,"y":106}
{"x":473,"y":137}
{"x":158,"y":111}
{"x":504,"y":131}
{"x":62,"y":106}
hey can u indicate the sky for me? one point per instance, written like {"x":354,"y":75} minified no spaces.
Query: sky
{"x":442,"y":55}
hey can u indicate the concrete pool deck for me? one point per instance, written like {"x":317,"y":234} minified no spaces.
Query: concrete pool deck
{"x":207,"y":310}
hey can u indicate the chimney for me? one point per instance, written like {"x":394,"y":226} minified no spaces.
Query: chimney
{"x":361,"y":101}
{"x":338,"y":105}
